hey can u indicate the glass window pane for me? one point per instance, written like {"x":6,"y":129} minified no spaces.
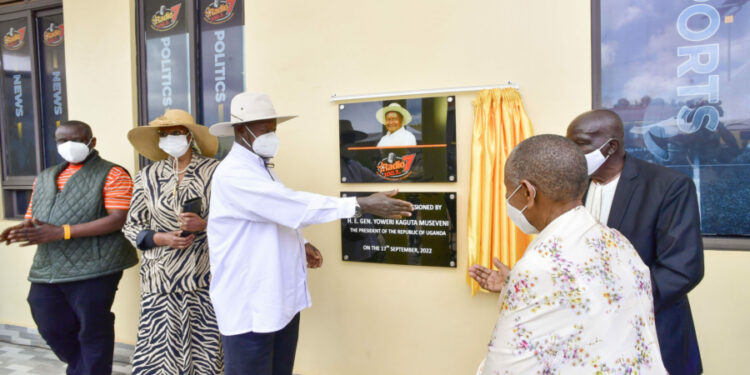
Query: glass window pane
{"x":167,"y":56}
{"x":19,"y":139}
{"x":676,"y":111}
{"x":54,"y":100}
{"x":16,"y":202}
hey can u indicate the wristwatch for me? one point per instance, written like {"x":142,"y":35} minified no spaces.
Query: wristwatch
{"x":357,"y":210}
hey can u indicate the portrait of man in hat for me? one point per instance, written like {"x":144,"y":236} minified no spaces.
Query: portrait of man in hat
{"x":395,"y":118}
{"x":406,"y":140}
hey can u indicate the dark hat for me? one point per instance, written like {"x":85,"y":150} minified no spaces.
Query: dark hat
{"x":347,"y":134}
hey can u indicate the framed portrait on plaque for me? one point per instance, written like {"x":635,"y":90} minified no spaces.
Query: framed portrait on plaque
{"x":427,"y":238}
{"x":400,"y":140}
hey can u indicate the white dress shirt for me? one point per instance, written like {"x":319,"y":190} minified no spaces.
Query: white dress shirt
{"x":599,"y":199}
{"x":258,"y":263}
{"x":400,"y":137}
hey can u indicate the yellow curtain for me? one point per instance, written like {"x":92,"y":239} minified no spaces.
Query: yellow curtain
{"x":500,"y":123}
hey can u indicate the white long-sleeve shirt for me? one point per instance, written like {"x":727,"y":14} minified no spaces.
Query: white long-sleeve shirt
{"x":258,"y":263}
{"x":400,"y":137}
{"x":599,"y":199}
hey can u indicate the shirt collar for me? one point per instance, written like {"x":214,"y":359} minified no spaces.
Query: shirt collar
{"x":567,"y":218}
{"x":244,"y":154}
{"x":397,"y":131}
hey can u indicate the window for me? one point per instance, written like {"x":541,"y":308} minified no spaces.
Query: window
{"x":190,"y":58}
{"x":674,"y":73}
{"x":33,"y":95}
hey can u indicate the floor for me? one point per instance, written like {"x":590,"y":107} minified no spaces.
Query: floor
{"x":29,"y":360}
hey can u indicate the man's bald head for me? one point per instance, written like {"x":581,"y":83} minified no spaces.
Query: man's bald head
{"x":553,"y":164}
{"x":81,"y":126}
{"x":602,"y":122}
{"x":596,"y":127}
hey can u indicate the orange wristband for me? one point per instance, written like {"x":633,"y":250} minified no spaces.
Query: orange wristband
{"x":66,"y":229}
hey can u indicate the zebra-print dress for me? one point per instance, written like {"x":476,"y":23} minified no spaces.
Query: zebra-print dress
{"x":177,"y":330}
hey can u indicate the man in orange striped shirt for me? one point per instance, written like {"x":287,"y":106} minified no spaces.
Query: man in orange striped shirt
{"x":118,"y":188}
{"x":75,"y":217}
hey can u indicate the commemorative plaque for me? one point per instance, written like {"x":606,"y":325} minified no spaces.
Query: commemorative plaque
{"x":405,"y":140}
{"x":427,"y":238}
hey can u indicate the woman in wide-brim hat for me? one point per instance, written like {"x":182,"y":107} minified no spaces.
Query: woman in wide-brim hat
{"x":177,"y":329}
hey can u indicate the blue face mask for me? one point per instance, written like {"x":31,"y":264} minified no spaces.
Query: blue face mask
{"x":517,"y":216}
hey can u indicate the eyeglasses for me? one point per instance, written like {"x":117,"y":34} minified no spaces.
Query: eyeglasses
{"x":163,"y":133}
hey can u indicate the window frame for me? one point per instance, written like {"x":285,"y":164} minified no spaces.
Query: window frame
{"x":31,"y":10}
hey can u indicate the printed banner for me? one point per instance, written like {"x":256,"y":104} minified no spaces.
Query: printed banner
{"x":677,"y":73}
{"x":54,"y":99}
{"x":167,"y":57}
{"x":19,"y":138}
{"x":222,"y":71}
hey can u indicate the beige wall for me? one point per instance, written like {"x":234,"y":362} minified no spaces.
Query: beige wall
{"x":376,"y":319}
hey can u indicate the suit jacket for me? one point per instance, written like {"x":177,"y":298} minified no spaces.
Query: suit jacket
{"x":656,"y":208}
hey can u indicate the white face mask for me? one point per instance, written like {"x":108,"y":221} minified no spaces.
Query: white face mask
{"x":265,"y":146}
{"x":595,"y":159}
{"x":174,"y":145}
{"x":517,"y":216}
{"x":74,"y":152}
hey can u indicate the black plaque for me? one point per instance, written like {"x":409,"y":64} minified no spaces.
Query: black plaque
{"x":422,"y":149}
{"x":168,"y":64}
{"x":427,"y":238}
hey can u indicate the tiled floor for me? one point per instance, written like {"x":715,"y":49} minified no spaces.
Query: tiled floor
{"x":29,"y":360}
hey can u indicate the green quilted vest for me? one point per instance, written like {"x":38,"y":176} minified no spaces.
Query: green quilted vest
{"x":80,"y":201}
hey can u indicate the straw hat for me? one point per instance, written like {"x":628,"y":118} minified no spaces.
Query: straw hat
{"x":145,"y":138}
{"x":393,"y":107}
{"x":248,"y":107}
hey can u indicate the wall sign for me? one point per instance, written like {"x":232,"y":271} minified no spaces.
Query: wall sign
{"x":676,"y":72}
{"x":19,"y":138}
{"x":407,"y":140}
{"x":428,"y":238}
{"x":52,"y":69}
{"x":167,"y":57}
{"x":223,"y":68}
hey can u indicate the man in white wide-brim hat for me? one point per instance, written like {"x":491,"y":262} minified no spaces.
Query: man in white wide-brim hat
{"x":257,"y":252}
{"x":395,"y":118}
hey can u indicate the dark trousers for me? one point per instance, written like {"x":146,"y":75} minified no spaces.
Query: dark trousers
{"x":76,"y":321}
{"x":262,"y":353}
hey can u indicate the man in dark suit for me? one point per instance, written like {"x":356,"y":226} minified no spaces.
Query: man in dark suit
{"x":656,"y":208}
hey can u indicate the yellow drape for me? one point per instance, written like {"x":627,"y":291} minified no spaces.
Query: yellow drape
{"x":500,"y":123}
